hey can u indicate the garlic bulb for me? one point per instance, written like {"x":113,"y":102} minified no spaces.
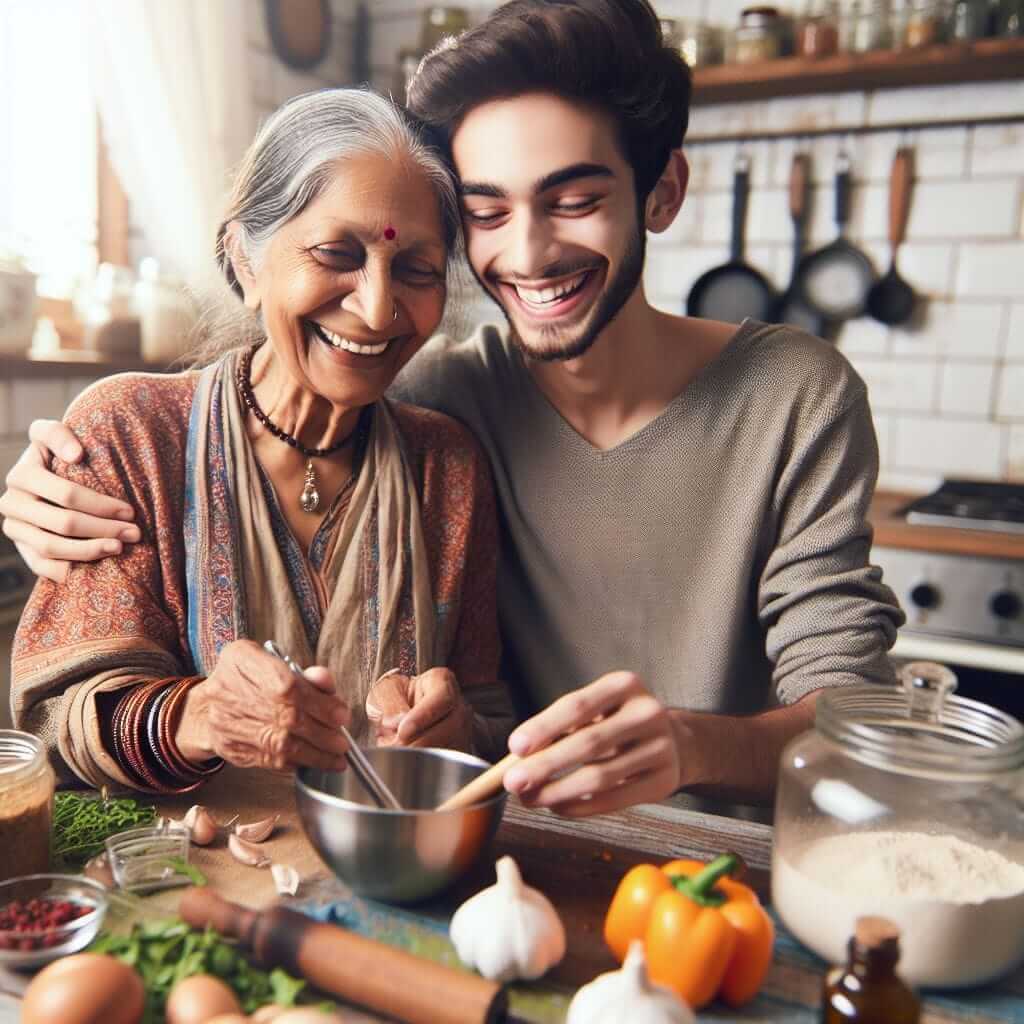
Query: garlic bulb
{"x":509,"y":930}
{"x":201,"y":824}
{"x":628,"y":994}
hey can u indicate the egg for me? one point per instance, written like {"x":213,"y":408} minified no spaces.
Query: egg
{"x":195,"y":1000}
{"x":87,"y":988}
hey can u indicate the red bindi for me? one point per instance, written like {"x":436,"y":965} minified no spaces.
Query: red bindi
{"x":390,"y":233}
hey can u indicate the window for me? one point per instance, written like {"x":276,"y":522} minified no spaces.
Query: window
{"x":60,"y":206}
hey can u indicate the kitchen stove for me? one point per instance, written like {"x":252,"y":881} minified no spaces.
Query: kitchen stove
{"x":955,"y":560}
{"x":970,"y":504}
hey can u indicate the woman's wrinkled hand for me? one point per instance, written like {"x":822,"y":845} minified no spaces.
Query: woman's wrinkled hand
{"x":427,"y":710}
{"x":254,"y":712}
{"x":52,"y":521}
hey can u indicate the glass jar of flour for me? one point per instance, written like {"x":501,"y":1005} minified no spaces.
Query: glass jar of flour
{"x":907,"y":803}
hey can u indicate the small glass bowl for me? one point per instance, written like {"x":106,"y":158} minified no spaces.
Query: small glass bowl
{"x":61,"y":939}
{"x":145,"y":859}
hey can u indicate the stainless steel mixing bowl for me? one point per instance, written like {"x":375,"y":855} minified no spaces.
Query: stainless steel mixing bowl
{"x":398,"y":856}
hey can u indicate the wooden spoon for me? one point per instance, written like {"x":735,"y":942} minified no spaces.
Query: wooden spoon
{"x":482,"y":787}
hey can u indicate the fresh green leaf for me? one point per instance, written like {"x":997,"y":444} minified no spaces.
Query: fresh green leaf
{"x":285,"y":987}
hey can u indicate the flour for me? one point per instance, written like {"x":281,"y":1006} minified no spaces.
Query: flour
{"x":959,"y":906}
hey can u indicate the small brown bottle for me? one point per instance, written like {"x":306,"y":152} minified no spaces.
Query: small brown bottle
{"x":868,"y":990}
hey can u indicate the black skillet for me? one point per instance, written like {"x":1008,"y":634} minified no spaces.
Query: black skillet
{"x":734,"y":290}
{"x":834,"y":281}
{"x":788,"y":307}
{"x":891,"y":300}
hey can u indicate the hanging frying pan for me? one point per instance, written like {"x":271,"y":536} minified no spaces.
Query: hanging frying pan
{"x":891,"y":300}
{"x":788,"y":307}
{"x":734,"y":290}
{"x":834,"y":281}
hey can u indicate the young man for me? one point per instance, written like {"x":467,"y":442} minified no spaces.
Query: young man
{"x":685,"y":557}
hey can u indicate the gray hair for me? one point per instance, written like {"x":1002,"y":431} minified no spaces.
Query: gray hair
{"x":291,"y":161}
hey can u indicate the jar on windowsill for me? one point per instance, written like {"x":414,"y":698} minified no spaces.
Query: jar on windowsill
{"x":26,"y":805}
{"x":908,"y":802}
{"x":759,"y":35}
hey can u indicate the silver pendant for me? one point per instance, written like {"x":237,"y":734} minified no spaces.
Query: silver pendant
{"x":309,"y":501}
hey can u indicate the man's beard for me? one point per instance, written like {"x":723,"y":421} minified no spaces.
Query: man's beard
{"x":615,"y":296}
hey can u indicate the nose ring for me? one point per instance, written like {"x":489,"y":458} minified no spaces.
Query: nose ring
{"x":395,"y":317}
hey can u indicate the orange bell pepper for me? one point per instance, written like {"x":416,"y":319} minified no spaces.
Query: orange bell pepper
{"x":705,"y":934}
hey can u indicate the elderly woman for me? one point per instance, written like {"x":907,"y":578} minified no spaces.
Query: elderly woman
{"x":281,"y":496}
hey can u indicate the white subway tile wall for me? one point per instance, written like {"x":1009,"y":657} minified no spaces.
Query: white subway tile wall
{"x":947,"y":391}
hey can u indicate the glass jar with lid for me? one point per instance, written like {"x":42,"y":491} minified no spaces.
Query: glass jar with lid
{"x":437,"y":22}
{"x":699,"y":43}
{"x":1009,"y":18}
{"x":906,"y":802}
{"x":758,"y":36}
{"x":26,"y":805}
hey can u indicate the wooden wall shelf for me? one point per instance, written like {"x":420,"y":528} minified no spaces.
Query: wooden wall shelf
{"x":70,"y":364}
{"x":988,"y":60}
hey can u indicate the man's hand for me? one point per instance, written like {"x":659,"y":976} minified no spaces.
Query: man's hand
{"x":420,"y":711}
{"x":254,"y":712}
{"x":54,"y":522}
{"x":601,"y":748}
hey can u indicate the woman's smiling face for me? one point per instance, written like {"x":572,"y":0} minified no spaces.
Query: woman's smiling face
{"x":351,"y":288}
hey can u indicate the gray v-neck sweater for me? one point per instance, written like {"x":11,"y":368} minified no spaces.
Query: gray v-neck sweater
{"x":721,"y":552}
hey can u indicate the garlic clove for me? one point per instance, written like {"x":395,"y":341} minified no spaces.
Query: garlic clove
{"x":201,"y":824}
{"x":247,"y":853}
{"x":257,"y":831}
{"x":286,"y":879}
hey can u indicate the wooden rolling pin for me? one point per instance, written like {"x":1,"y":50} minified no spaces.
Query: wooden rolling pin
{"x":483,"y":787}
{"x":359,"y":970}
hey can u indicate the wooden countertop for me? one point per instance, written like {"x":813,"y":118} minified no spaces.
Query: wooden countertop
{"x":893,"y":531}
{"x":578,"y":863}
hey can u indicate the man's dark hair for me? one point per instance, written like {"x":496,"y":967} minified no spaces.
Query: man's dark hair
{"x":605,"y":54}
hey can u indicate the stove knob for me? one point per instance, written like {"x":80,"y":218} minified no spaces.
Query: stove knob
{"x":925,"y":595}
{"x":1005,"y":604}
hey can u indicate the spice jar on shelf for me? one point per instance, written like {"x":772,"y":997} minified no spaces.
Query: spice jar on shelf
{"x":868,"y":27}
{"x":699,"y":44}
{"x":969,"y":20}
{"x":1010,"y":18}
{"x":26,"y":805}
{"x":817,"y":30}
{"x":906,"y":802}
{"x":759,"y":35}
{"x":921,"y":24}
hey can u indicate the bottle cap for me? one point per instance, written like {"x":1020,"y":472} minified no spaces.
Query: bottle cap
{"x":877,"y":933}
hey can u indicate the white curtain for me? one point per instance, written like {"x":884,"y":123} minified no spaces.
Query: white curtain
{"x":172,"y":85}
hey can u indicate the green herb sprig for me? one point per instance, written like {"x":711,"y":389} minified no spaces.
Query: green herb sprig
{"x":165,"y":951}
{"x":83,"y":821}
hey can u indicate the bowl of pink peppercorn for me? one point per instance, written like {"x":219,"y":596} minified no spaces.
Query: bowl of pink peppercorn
{"x":43,"y":917}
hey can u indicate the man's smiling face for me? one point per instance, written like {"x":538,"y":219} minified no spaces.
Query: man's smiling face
{"x":551,"y":216}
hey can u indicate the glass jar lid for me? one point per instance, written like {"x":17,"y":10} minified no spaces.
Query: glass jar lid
{"x":755,"y":17}
{"x":21,"y":754}
{"x":920,"y":728}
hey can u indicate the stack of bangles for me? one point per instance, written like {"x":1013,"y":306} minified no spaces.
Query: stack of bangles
{"x":143,"y":727}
